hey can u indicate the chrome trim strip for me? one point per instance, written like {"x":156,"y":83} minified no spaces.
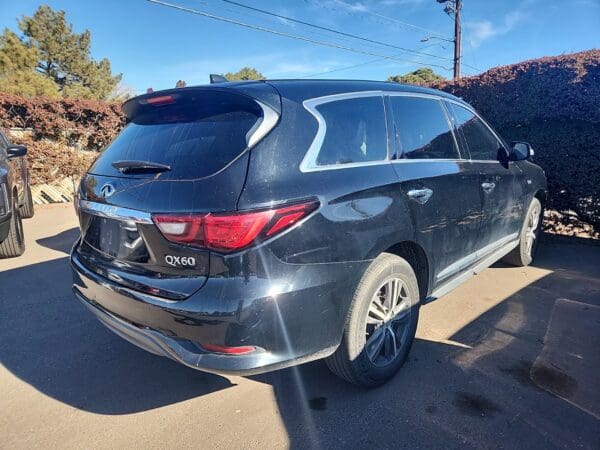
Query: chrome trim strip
{"x":469,"y":273}
{"x":269,"y":120}
{"x":474,"y":257}
{"x":413,"y":94}
{"x":309,"y":162}
{"x":435,"y":160}
{"x":114,"y":212}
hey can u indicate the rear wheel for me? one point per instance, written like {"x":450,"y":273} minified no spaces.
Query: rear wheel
{"x":27,"y":211}
{"x":524,"y":253}
{"x":381,"y":324}
{"x":14,"y":244}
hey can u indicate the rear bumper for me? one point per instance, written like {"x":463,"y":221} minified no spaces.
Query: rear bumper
{"x":296,"y":316}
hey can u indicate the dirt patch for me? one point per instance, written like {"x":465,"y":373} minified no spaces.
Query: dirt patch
{"x":475,"y":405}
{"x":318,"y":403}
{"x":544,"y":377}
{"x":553,"y":380}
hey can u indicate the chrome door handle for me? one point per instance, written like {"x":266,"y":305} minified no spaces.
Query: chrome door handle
{"x":488,"y":187}
{"x":420,"y":195}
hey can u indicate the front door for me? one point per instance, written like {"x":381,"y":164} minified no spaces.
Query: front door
{"x":500,"y":183}
{"x":441,"y":188}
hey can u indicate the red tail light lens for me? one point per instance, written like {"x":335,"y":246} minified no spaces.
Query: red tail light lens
{"x":228,"y":350}
{"x":160,"y":100}
{"x":230,"y":232}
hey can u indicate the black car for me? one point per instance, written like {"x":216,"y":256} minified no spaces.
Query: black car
{"x":16,"y":202}
{"x":244,"y":227}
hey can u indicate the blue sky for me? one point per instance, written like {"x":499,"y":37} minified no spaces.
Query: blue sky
{"x":155,"y":46}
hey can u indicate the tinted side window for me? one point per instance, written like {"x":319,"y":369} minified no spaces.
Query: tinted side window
{"x":356,"y":131}
{"x":422,"y":128}
{"x":482,"y":144}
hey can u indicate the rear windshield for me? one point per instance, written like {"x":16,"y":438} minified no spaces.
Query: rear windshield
{"x":196,"y":135}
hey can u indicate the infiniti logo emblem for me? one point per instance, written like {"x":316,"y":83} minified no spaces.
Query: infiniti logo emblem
{"x":107,"y":190}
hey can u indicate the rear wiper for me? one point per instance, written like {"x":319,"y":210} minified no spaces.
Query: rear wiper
{"x":128,"y":166}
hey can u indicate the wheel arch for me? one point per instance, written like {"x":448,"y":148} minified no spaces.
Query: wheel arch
{"x":414,"y":254}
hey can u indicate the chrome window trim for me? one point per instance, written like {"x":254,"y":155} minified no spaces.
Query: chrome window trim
{"x":114,"y":212}
{"x":434,"y":160}
{"x":266,"y":124}
{"x":309,"y":162}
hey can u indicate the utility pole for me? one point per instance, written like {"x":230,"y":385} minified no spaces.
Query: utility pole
{"x":457,"y":38}
{"x":454,"y":7}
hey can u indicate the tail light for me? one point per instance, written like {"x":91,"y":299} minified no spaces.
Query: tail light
{"x":228,"y":350}
{"x":232,"y":231}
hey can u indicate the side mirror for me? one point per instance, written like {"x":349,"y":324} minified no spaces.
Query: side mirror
{"x":520,"y":151}
{"x":14,"y":151}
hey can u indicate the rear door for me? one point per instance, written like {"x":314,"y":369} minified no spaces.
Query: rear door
{"x":500,"y":184}
{"x":441,"y":187}
{"x":182,"y":153}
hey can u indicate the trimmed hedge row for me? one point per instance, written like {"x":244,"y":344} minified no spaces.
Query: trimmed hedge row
{"x":553,"y":103}
{"x":86,"y":124}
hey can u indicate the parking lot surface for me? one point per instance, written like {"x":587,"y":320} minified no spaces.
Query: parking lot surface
{"x":510,"y":359}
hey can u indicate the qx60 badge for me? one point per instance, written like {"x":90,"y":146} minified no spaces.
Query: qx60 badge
{"x":180,"y":261}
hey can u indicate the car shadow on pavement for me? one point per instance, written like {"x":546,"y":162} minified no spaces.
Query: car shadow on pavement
{"x":523,"y":374}
{"x":61,"y":242}
{"x":49,"y":340}
{"x":517,"y":375}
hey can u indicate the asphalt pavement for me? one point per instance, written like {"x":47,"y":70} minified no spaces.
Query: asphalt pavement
{"x":508,"y":360}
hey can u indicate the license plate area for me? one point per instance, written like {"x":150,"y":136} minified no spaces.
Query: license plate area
{"x":116,"y":238}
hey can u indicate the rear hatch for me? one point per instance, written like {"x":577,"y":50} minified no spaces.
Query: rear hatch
{"x":183,"y":152}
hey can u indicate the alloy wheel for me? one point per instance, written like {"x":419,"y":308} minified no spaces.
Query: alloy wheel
{"x":531,"y":233}
{"x":387,"y":322}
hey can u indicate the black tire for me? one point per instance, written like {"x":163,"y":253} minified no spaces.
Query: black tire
{"x":27,"y":210}
{"x":523,"y":254}
{"x":354,"y":360}
{"x":14,"y":244}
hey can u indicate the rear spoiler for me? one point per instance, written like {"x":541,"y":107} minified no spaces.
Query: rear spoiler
{"x":206,"y":101}
{"x":260,"y":92}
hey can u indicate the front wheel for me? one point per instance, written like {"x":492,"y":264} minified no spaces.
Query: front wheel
{"x":523,"y":254}
{"x":14,"y":244}
{"x":381,"y":324}
{"x":27,"y":210}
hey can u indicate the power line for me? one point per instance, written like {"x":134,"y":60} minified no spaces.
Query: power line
{"x":331,"y":30}
{"x":289,"y":35}
{"x":393,"y":19}
{"x":354,"y":65}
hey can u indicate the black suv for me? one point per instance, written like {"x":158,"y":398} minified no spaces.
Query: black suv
{"x":244,"y":227}
{"x":16,"y":202}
